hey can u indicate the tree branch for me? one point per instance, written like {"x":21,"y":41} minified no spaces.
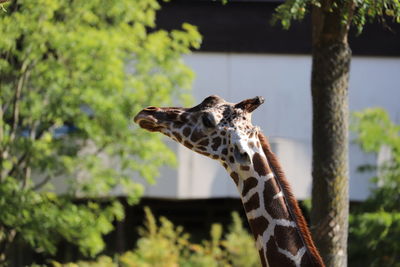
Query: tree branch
{"x":19,"y":162}
{"x":42,"y":183}
{"x":27,"y":174}
{"x":17,"y":97}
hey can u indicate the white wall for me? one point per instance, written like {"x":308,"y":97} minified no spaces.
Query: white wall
{"x":284,"y":81}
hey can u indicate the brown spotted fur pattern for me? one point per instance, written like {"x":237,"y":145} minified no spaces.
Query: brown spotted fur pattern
{"x":223,"y":131}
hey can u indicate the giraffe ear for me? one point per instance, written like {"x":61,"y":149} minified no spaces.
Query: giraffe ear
{"x":251,"y":104}
{"x":242,"y":158}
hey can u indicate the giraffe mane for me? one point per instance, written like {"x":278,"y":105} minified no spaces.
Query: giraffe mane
{"x":293,"y":207}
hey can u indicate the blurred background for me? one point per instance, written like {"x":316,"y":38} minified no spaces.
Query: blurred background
{"x":76,"y":174}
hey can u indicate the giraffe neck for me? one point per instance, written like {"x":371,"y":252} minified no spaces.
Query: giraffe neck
{"x":281,"y":234}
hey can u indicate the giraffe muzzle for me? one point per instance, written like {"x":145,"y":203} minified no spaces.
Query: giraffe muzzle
{"x":147,"y":121}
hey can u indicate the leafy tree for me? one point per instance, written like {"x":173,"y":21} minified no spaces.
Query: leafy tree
{"x":375,"y":225}
{"x":331,"y":53}
{"x":72,"y":74}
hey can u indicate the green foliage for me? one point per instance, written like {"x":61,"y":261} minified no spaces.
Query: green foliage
{"x":57,"y":218}
{"x":239,"y":245}
{"x":158,"y":246}
{"x":86,"y":67}
{"x":359,"y":12}
{"x":101,"y":261}
{"x":167,"y":245}
{"x":376,"y":130}
{"x":291,"y":10}
{"x":375,"y":225}
{"x":170,"y":246}
{"x":371,"y":10}
{"x":374,"y":239}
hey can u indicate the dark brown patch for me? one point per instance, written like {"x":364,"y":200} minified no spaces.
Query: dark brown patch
{"x":204,"y":153}
{"x":187,"y":131}
{"x":248,"y":184}
{"x":193,"y":119}
{"x":275,"y":207}
{"x":235,"y":177}
{"x":260,"y":165}
{"x":271,"y":188}
{"x":184,"y":117}
{"x":216,"y":143}
{"x":188,"y":145}
{"x":288,"y":238}
{"x":197,"y":135}
{"x":224,"y":151}
{"x":215,"y":157}
{"x":204,"y":142}
{"x":307,"y":261}
{"x":171,"y":116}
{"x":275,"y":258}
{"x":224,"y":141}
{"x":251,"y":144}
{"x":223,"y":133}
{"x":178,"y":124}
{"x":231,"y":159}
{"x":225,"y":165}
{"x":178,"y":136}
{"x":202,"y":148}
{"x":258,"y":225}
{"x":244,"y":167}
{"x":252,"y":203}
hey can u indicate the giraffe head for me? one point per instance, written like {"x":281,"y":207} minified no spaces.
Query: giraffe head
{"x":215,"y":128}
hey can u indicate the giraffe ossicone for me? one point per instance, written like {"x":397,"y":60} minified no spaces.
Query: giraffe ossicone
{"x":223,"y":131}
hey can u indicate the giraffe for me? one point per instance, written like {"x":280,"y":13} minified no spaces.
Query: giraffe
{"x":223,"y":131}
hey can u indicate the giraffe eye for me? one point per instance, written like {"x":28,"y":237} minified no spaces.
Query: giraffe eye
{"x":207,"y":121}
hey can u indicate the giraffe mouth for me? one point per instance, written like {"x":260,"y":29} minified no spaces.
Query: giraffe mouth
{"x":147,"y":122}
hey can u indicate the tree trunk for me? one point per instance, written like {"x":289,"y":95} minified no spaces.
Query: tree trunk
{"x":330,"y":75}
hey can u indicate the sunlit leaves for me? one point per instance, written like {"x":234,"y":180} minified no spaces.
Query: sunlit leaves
{"x":364,"y":11}
{"x":375,"y":224}
{"x":86,"y":68}
{"x":56,"y":218}
{"x":292,"y":10}
{"x":161,"y":241}
{"x":375,"y":129}
{"x":371,"y":10}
